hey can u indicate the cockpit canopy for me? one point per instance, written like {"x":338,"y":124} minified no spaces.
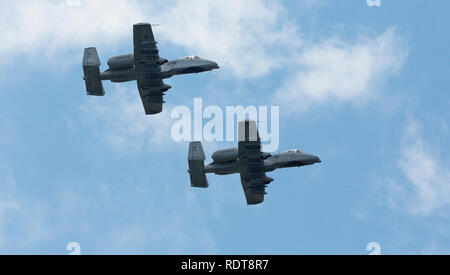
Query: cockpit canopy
{"x":294,"y":151}
{"x":193,"y":57}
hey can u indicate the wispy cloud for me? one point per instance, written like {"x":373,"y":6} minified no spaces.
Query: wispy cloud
{"x":337,"y":71}
{"x":103,"y":220}
{"x":53,"y":29}
{"x":119,"y":216}
{"x":16,"y":215}
{"x":7,"y":187}
{"x":249,"y":38}
{"x":426,"y":188}
{"x":133,"y":220}
{"x":118,"y":119}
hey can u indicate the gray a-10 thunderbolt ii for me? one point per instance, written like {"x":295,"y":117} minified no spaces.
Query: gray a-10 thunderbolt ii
{"x":145,"y":66}
{"x":247,"y":160}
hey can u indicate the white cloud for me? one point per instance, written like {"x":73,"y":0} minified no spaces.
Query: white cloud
{"x":20,"y":214}
{"x":118,"y":119}
{"x":426,"y":190}
{"x":337,"y":71}
{"x":249,"y":38}
{"x":51,"y":28}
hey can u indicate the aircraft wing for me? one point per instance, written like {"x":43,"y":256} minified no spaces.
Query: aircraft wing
{"x":152,"y":100}
{"x":146,"y":57}
{"x":251,"y":163}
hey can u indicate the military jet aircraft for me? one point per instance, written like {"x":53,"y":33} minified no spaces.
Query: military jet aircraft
{"x":248,"y":160}
{"x":144,"y":65}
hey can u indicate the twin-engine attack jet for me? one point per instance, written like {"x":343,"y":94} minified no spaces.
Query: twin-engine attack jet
{"x":248,"y":160}
{"x":144,"y":65}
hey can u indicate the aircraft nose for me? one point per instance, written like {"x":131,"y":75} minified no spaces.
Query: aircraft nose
{"x":212,"y":65}
{"x":215,"y":65}
{"x":317,"y":159}
{"x":313,"y":159}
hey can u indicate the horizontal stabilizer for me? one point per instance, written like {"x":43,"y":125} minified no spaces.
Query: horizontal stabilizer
{"x":91,"y":68}
{"x":196,"y":160}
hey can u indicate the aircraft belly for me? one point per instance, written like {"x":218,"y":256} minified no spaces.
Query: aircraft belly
{"x":191,"y":70}
{"x":226,"y":170}
{"x":120,"y":80}
{"x":270,"y":165}
{"x":293,"y":164}
{"x":119,"y":76}
{"x":171,"y":71}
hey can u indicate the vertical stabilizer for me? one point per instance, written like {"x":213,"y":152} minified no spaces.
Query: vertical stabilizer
{"x":91,"y":68}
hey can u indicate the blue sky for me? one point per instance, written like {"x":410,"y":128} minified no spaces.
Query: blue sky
{"x":365,"y":88}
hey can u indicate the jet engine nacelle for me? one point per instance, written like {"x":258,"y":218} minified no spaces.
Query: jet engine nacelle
{"x":121,"y":62}
{"x":226,"y":155}
{"x":126,"y":61}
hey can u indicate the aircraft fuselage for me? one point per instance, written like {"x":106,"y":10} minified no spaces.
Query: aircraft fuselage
{"x":127,"y":72}
{"x":271,"y":163}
